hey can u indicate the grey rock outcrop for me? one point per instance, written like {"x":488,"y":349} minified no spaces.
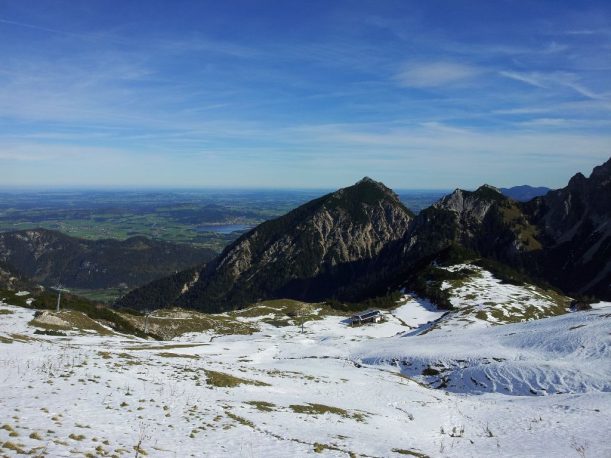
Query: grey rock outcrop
{"x":310,"y":253}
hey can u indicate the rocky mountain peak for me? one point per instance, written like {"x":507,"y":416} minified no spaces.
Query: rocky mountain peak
{"x":310,"y":253}
{"x":364,"y":194}
{"x":583,"y":199}
{"x":600,"y":176}
{"x":602,"y":171}
{"x":469,"y":208}
{"x":367,"y":183}
{"x":577,"y":180}
{"x":370,"y":182}
{"x":479,"y":200}
{"x":487,"y":187}
{"x":366,"y":180}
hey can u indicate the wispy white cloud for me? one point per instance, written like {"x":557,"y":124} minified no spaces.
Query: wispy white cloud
{"x":42,"y":152}
{"x":433,"y":74}
{"x":522,"y":110}
{"x":441,"y":139}
{"x":534,"y":79}
{"x":548,"y":122}
{"x":558,"y":79}
{"x":104,"y":37}
{"x":202,"y":44}
{"x":566,"y":123}
{"x":431,"y":154}
{"x":588,"y":32}
{"x":39,"y":28}
{"x":434,"y":153}
{"x":554,"y":47}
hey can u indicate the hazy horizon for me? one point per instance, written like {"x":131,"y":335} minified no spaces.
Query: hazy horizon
{"x":77,"y":188}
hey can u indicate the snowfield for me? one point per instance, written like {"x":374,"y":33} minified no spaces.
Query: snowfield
{"x":532,"y":389}
{"x":484,"y":300}
{"x":564,"y":354}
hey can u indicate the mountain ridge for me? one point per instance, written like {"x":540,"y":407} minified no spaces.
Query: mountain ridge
{"x":50,"y":257}
{"x":332,"y":247}
{"x":309,"y":253}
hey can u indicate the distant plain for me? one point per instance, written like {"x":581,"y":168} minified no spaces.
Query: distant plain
{"x":207,"y":218}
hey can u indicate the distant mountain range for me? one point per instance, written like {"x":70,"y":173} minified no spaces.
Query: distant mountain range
{"x":525,"y":192}
{"x":361,"y":242}
{"x":50,"y":257}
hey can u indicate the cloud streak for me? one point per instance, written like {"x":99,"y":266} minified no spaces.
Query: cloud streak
{"x":434,"y":74}
{"x":555,"y":79}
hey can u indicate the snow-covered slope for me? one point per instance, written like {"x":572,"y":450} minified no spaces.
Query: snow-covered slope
{"x":481,"y":299}
{"x":564,"y":354}
{"x":332,"y":390}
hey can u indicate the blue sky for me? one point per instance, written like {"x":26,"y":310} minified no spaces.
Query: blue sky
{"x":303,"y":94}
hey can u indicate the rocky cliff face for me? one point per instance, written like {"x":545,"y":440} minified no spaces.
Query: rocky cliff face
{"x":309,"y":253}
{"x":469,"y":209}
{"x":574,"y":224}
{"x":12,"y":280}
{"x":560,"y":213}
{"x":562,"y":238}
{"x":50,"y":257}
{"x":470,"y":206}
{"x":483,"y":220}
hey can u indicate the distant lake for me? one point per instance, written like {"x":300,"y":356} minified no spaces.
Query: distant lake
{"x":223,"y":228}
